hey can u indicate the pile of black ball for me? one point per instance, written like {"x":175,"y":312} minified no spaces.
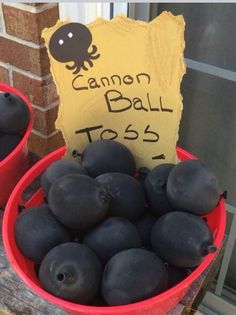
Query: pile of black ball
{"x":14,"y":119}
{"x":110,"y":235}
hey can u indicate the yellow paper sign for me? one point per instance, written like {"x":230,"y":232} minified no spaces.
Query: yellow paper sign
{"x":120,"y":80}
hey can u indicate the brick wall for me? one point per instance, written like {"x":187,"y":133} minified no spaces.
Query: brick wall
{"x":24,"y":64}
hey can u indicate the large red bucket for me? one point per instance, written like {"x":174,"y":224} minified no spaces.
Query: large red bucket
{"x":158,"y":305}
{"x":15,"y":164}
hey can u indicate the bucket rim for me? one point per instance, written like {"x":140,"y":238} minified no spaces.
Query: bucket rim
{"x":7,"y":88}
{"x":74,"y":307}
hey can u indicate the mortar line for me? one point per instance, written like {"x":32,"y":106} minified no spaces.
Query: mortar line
{"x":31,"y":9}
{"x":26,"y":73}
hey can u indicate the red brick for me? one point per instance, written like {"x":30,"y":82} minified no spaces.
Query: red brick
{"x":4,"y":75}
{"x":27,"y":25}
{"x":40,"y":93}
{"x":42,"y":146}
{"x":45,"y":121}
{"x":24,"y":57}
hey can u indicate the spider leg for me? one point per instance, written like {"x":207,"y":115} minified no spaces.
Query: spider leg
{"x":77,"y":70}
{"x":94,"y":57}
{"x":89,"y":62}
{"x":84,"y":67}
{"x":94,"y":50}
{"x":72,"y":67}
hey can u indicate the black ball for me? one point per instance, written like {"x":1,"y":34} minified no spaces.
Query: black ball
{"x":71,"y":271}
{"x":141,"y":175}
{"x":127,"y":197}
{"x":105,"y":156}
{"x":7,"y":144}
{"x":58,"y":169}
{"x":15,"y":114}
{"x":155,"y":187}
{"x":144,"y":226}
{"x":78,"y":201}
{"x":37,"y":231}
{"x":192,"y":187}
{"x":175,"y":275}
{"x":182,"y":239}
{"x":99,"y":301}
{"x":133,"y":275}
{"x":112,"y":236}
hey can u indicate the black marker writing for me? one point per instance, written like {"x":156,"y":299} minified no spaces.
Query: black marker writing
{"x":82,"y":83}
{"x":131,"y":131}
{"x":126,"y":102}
{"x":111,"y":134}
{"x":116,"y":103}
{"x":159,"y":157}
{"x":152,"y":133}
{"x":165,"y":109}
{"x":88,"y":131}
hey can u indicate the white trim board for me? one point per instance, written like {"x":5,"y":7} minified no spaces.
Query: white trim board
{"x":210,"y":69}
{"x":218,"y":305}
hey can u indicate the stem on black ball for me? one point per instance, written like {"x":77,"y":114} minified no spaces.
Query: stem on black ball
{"x":64,"y":276}
{"x":209,"y":248}
{"x":75,"y":154}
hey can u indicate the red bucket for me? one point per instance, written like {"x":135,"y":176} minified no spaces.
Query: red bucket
{"x":15,"y":164}
{"x":160,"y":304}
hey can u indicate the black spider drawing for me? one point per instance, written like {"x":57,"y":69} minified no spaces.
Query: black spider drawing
{"x":71,"y":42}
